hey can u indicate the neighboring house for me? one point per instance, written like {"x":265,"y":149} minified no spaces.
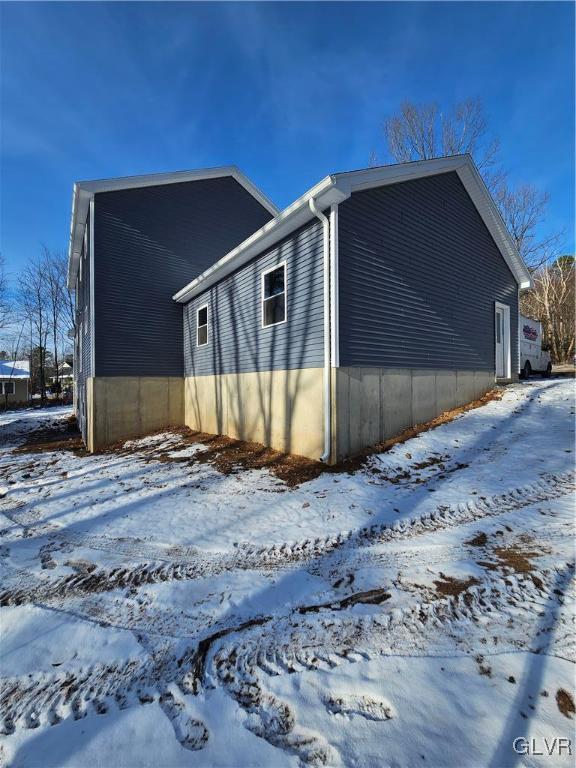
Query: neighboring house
{"x":375,"y":301}
{"x":14,"y":382}
{"x":65,"y":376}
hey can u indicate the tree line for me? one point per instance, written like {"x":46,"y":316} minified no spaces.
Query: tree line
{"x":35,"y":318}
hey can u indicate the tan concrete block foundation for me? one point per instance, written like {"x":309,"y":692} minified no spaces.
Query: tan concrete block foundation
{"x":373,"y":404}
{"x":122,"y":407}
{"x":281,"y":409}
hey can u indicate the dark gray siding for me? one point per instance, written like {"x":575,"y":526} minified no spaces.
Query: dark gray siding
{"x":237,"y":341}
{"x":149,"y":243}
{"x":419,"y":275}
{"x":83,"y":331}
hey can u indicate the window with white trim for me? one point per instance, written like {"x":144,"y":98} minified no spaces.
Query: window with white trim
{"x":202,"y":326}
{"x":274,"y":296}
{"x":9,"y":388}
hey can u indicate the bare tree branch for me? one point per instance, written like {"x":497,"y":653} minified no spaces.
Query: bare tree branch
{"x":421,"y":132}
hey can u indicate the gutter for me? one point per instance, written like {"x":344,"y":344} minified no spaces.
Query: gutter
{"x":327,"y":338}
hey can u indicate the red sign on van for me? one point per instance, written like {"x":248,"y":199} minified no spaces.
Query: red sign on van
{"x":530,"y":333}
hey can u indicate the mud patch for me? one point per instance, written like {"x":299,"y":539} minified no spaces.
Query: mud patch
{"x":62,"y":435}
{"x":565,"y":703}
{"x":478,"y":541}
{"x":516,"y":559}
{"x":448,"y":586}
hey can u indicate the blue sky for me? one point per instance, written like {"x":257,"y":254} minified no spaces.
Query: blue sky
{"x":289,"y":92}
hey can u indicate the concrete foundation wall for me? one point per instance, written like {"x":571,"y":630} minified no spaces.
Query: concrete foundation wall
{"x":280,"y":409}
{"x":373,"y":404}
{"x":122,"y":407}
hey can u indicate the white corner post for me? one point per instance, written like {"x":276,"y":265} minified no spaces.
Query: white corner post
{"x":327,"y":336}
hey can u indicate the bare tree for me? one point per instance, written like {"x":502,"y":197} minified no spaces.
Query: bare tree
{"x":551,"y":300}
{"x":523,"y":209}
{"x":34,"y":304}
{"x":58,"y":299}
{"x":5,"y":304}
{"x":421,"y":132}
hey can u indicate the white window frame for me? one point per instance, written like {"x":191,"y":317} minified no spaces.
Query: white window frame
{"x":506,"y":340}
{"x":198,"y":310}
{"x":9,"y":384}
{"x":262,"y":299}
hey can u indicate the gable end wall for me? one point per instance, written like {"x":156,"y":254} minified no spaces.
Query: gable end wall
{"x":419,"y":274}
{"x":148,"y":243}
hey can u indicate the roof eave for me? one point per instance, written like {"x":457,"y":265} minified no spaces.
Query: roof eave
{"x":84,"y":191}
{"x":340,"y":186}
{"x":325,"y":193}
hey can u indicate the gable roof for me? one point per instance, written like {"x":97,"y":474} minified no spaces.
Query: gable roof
{"x":14,"y":369}
{"x":84,"y":192}
{"x":338,"y":187}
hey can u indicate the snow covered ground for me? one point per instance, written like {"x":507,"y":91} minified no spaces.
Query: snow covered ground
{"x":418,"y":612}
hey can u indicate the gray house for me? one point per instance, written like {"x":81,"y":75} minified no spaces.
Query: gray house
{"x":375,"y":301}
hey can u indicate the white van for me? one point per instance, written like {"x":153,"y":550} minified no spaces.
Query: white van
{"x":533,"y":359}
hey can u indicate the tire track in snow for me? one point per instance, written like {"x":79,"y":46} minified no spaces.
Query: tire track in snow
{"x":309,"y":637}
{"x":27,"y":589}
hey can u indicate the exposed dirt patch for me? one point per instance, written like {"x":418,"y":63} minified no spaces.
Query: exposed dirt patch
{"x":565,"y":703}
{"x":62,"y":435}
{"x":451,"y":587}
{"x":229,"y":455}
{"x":484,"y":669}
{"x":517,"y":559}
{"x":478,"y":541}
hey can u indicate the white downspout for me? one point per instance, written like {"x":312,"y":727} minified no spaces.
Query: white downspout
{"x":327,"y":339}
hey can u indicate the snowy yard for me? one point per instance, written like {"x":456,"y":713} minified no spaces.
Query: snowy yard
{"x":417,"y":612}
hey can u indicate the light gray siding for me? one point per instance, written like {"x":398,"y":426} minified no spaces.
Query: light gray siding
{"x":237,"y":342}
{"x":419,"y":274}
{"x":149,"y":242}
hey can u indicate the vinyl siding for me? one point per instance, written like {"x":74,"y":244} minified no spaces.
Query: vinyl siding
{"x":83,"y":330}
{"x":149,"y":243}
{"x":419,"y":274}
{"x":237,"y":343}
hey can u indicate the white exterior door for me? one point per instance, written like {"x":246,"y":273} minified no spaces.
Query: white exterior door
{"x":502,"y":341}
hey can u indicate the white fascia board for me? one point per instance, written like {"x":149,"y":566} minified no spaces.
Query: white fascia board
{"x":494,"y":222}
{"x":85,"y":190}
{"x":295,"y":215}
{"x":368,"y":178}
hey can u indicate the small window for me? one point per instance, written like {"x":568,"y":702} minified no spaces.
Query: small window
{"x":9,"y":388}
{"x":202,"y":326}
{"x":274,"y":296}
